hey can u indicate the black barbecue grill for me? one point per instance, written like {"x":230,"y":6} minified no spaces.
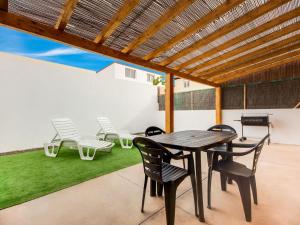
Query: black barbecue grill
{"x":261,"y":120}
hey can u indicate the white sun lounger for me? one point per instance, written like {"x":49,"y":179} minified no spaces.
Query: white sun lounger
{"x":107,"y":130}
{"x":68,"y":135}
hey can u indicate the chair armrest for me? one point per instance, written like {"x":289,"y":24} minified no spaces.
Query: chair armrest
{"x":239,"y":145}
{"x":69,"y":140}
{"x":89,"y":137}
{"x":252,"y":148}
{"x":187,"y":156}
{"x":233,"y":153}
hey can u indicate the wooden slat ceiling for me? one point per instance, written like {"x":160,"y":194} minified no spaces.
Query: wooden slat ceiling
{"x":208,"y":41}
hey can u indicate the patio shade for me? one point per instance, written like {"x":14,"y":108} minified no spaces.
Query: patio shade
{"x":191,"y":39}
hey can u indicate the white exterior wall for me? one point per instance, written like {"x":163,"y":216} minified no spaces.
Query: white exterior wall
{"x":193,"y":86}
{"x":141,"y":75}
{"x":179,"y":86}
{"x":285,"y":122}
{"x":190,"y":119}
{"x":33,"y":92}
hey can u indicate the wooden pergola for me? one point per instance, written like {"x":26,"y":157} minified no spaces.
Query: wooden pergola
{"x":207,"y":41}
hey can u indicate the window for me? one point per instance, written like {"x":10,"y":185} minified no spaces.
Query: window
{"x":150,"y":77}
{"x":186,"y":83}
{"x":130,"y":73}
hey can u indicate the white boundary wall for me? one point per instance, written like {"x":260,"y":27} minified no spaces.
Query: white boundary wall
{"x":285,"y":123}
{"x":190,"y":119}
{"x":32,"y":92}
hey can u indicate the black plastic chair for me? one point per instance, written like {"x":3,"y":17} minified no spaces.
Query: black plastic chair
{"x":152,"y":131}
{"x":224,"y":147}
{"x":243,"y":176}
{"x":221,"y":148}
{"x":220,"y":128}
{"x":164,"y":173}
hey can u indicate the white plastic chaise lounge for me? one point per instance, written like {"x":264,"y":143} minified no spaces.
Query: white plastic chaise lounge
{"x":68,"y":135}
{"x":108,"y":130}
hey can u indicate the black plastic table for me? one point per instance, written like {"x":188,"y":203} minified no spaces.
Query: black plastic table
{"x":195,"y":141}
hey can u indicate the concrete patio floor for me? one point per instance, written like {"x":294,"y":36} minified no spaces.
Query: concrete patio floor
{"x":115,"y":199}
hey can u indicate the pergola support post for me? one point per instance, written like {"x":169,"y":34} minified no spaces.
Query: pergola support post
{"x":218,"y":105}
{"x":4,"y":5}
{"x":169,"y":103}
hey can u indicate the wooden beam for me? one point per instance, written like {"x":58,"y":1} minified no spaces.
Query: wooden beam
{"x":4,"y":5}
{"x":169,"y":103}
{"x":253,"y":57}
{"x":198,"y":25}
{"x":117,"y":19}
{"x":33,"y":27}
{"x":297,"y":105}
{"x":259,"y":67}
{"x":65,"y":14}
{"x":162,"y":21}
{"x":248,"y":17}
{"x":218,"y":94}
{"x":257,"y":60}
{"x":251,"y":45}
{"x":257,"y":30}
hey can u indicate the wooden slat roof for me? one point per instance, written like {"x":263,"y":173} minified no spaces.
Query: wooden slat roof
{"x":186,"y":37}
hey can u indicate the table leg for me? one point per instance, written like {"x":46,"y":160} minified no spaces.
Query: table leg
{"x":199,"y":186}
{"x":152,"y":188}
{"x":229,"y":149}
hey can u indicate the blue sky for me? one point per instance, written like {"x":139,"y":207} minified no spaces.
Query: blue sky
{"x":19,"y":43}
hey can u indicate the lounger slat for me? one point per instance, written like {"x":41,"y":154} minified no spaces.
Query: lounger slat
{"x":66,"y":129}
{"x":106,"y":125}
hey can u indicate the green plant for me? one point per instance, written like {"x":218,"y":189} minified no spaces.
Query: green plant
{"x":158,"y":80}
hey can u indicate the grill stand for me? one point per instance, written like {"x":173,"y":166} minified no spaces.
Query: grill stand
{"x":261,"y":122}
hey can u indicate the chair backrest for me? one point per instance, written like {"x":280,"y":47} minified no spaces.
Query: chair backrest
{"x":151,"y":131}
{"x":257,"y":150}
{"x":66,"y":129}
{"x":152,"y":156}
{"x":106,"y":125}
{"x":222,"y":127}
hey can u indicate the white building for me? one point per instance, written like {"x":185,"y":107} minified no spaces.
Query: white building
{"x":183,"y":85}
{"x":125,"y":72}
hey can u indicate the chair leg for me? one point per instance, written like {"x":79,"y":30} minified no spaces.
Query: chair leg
{"x":170,"y":200}
{"x":254,"y":190}
{"x":86,"y":156}
{"x":51,"y":150}
{"x":194,"y":187}
{"x":152,"y":188}
{"x":209,"y":178}
{"x":244,"y":188}
{"x":223,"y":182}
{"x":144,"y":193}
{"x":183,"y":162}
{"x":125,"y":145}
{"x":160,"y":188}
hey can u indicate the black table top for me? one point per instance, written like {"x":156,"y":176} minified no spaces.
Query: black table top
{"x":194,"y":140}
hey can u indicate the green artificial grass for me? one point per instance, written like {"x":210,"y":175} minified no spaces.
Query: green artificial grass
{"x":29,"y":175}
